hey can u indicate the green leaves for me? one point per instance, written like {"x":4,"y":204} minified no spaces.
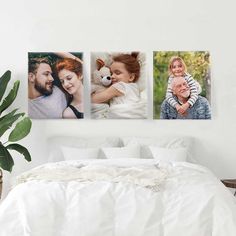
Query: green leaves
{"x":19,"y":148}
{"x":4,"y":82}
{"x":7,"y":121}
{"x":9,"y":99}
{"x":21,"y":130}
{"x":6,"y":161}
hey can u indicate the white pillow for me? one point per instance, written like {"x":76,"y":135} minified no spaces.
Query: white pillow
{"x":164,"y":141}
{"x":55,"y":144}
{"x":167,"y":154}
{"x":121,"y":152}
{"x":72,"y":153}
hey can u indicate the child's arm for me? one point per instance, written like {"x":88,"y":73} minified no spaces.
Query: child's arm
{"x":169,"y":97}
{"x":169,"y":94}
{"x":183,"y":108}
{"x":194,"y":90}
{"x":105,"y":95}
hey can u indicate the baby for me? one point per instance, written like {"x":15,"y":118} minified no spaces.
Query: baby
{"x":125,"y":71}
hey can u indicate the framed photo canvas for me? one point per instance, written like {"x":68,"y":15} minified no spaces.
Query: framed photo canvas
{"x":118,"y":85}
{"x":55,"y":85}
{"x":182,"y":85}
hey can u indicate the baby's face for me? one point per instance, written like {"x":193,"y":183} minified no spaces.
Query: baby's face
{"x":177,"y":68}
{"x":119,"y":73}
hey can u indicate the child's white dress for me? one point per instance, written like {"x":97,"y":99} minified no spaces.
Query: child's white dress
{"x":131,"y":93}
{"x":130,"y":105}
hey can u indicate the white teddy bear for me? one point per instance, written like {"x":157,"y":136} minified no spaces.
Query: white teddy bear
{"x":101,"y":77}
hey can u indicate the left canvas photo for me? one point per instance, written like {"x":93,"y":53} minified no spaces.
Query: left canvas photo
{"x":55,"y":85}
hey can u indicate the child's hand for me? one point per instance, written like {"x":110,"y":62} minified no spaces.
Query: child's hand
{"x":181,"y":109}
{"x":185,"y":106}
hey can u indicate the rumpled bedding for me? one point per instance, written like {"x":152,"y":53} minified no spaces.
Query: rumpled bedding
{"x":149,"y":178}
{"x":190,"y":201}
{"x":99,"y":111}
{"x":120,"y":111}
{"x":128,"y":111}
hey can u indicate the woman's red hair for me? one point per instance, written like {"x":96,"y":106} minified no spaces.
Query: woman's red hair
{"x":69,"y":64}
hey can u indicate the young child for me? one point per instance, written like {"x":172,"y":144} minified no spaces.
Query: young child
{"x":125,"y":71}
{"x":177,"y":68}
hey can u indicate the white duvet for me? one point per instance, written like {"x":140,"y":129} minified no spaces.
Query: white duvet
{"x":189,"y":201}
{"x":120,"y":111}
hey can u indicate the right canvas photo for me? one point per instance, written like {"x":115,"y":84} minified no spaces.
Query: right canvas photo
{"x":181,"y":85}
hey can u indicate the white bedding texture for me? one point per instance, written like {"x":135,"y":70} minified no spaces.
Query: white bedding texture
{"x":120,"y":197}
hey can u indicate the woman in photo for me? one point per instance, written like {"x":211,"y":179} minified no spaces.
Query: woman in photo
{"x":69,"y":72}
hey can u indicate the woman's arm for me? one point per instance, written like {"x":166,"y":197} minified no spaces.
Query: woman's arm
{"x":68,"y":55}
{"x":105,"y":95}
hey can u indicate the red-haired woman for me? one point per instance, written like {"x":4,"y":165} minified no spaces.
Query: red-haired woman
{"x":70,"y":74}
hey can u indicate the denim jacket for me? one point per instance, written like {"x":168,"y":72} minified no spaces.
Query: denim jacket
{"x":200,"y":110}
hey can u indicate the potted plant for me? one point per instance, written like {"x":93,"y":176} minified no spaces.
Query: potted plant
{"x":15,"y":122}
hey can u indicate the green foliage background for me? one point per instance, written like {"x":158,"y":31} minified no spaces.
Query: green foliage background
{"x":52,"y":57}
{"x":198,"y":65}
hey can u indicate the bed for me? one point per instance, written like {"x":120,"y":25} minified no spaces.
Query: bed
{"x":119,"y":192}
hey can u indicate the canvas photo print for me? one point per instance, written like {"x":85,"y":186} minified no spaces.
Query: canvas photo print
{"x":55,"y":85}
{"x":118,"y":85}
{"x":182,"y":85}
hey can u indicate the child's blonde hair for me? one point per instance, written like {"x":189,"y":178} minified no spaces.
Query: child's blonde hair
{"x":172,"y":60}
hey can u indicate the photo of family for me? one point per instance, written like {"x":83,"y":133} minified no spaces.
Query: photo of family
{"x":55,"y":85}
{"x":118,"y":85}
{"x":182,"y":85}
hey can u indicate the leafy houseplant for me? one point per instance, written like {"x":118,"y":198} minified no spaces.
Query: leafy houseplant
{"x":17,"y":123}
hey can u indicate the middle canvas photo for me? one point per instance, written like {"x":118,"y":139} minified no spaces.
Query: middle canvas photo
{"x":118,"y":85}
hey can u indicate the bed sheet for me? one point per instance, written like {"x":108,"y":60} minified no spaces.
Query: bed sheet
{"x":190,"y":201}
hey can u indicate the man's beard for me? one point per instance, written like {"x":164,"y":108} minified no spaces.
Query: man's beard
{"x":185,"y":94}
{"x":42,"y":89}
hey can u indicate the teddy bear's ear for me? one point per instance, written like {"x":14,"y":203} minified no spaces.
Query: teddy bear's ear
{"x":100,"y":63}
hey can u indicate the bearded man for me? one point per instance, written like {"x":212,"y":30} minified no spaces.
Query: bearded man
{"x":45,"y":101}
{"x":181,"y":92}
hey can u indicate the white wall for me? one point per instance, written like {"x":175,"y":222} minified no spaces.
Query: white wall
{"x":106,"y":25}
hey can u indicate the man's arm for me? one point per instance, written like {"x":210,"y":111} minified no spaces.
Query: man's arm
{"x":164,"y":114}
{"x":207,"y":110}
